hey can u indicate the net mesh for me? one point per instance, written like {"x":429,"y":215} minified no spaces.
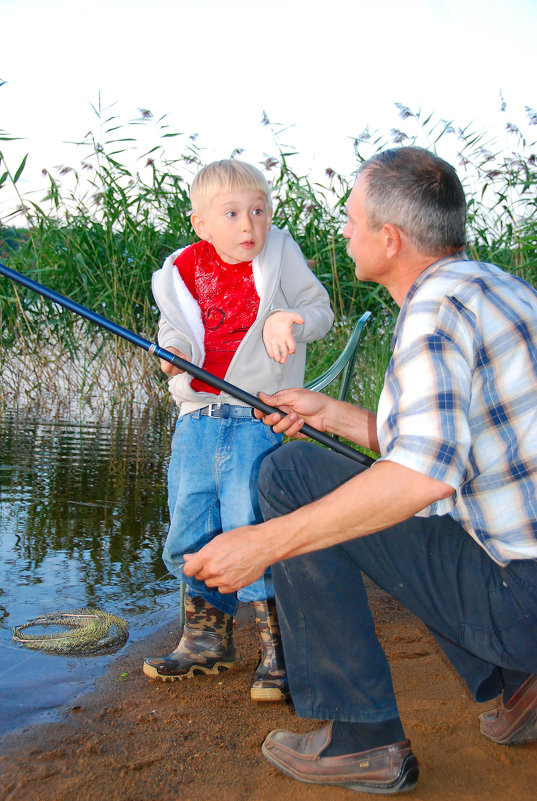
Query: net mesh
{"x":89,"y":631}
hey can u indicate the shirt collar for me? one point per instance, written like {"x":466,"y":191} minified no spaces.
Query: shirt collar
{"x":437,"y":265}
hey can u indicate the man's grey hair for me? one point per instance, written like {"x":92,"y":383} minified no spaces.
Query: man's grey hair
{"x":420,"y":194}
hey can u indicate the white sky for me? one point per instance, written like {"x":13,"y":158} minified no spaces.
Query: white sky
{"x":327,"y":68}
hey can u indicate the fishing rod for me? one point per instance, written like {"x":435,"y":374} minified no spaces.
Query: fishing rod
{"x":182,"y":364}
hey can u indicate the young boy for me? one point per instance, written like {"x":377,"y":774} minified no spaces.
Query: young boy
{"x":241,"y":303}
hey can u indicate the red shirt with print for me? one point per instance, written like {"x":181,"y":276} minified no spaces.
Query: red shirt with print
{"x":228,"y":301}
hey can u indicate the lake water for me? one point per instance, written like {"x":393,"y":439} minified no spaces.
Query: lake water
{"x":83,"y":517}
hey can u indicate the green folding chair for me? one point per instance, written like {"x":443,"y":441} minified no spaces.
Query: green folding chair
{"x":344,"y":364}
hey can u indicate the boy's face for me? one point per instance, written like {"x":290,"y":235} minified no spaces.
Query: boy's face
{"x":236,"y":224}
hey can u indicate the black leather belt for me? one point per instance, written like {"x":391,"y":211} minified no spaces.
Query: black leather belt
{"x":226,"y":410}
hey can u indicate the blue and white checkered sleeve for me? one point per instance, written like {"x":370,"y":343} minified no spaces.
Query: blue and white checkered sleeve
{"x":424,"y":407}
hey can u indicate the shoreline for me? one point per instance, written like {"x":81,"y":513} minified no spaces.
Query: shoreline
{"x":133,"y":739}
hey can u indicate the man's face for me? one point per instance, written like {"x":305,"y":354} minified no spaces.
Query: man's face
{"x":364,"y":246}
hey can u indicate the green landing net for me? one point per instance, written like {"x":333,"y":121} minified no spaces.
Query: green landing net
{"x":89,"y":631}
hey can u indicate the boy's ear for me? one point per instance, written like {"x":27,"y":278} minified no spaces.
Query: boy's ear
{"x":269,"y":219}
{"x":199,"y":226}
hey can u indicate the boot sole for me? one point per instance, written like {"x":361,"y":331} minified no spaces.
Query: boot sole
{"x":270,"y":694}
{"x":194,"y":670}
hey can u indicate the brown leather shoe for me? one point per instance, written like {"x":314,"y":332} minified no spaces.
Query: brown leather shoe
{"x":390,"y":769}
{"x":516,"y":721}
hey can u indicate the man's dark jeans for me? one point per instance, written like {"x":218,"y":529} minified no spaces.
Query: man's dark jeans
{"x":483,"y":616}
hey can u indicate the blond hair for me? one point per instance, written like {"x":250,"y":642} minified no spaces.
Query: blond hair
{"x":228,"y":175}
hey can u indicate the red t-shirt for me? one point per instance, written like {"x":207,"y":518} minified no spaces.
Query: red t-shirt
{"x":228,"y":301}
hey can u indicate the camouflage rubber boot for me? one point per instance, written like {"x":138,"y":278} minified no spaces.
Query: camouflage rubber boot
{"x":270,"y":678}
{"x":205,"y":647}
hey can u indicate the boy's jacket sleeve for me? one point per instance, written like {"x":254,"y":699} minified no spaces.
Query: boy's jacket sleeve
{"x":305,"y":294}
{"x":169,"y":337}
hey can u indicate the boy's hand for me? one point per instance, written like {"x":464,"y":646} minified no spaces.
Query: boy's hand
{"x":171,"y":369}
{"x":278,"y":334}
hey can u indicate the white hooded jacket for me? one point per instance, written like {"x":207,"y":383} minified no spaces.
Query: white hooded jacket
{"x":284,"y":282}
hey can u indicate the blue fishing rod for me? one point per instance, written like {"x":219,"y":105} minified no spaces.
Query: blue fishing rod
{"x":182,"y":364}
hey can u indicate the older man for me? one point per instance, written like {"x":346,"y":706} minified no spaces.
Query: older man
{"x":445,"y":520}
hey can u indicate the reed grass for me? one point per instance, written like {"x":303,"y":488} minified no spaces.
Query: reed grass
{"x":106,"y":225}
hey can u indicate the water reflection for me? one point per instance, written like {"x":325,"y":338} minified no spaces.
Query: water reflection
{"x":83,"y":516}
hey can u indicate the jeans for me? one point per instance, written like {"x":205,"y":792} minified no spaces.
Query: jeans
{"x":212,"y":487}
{"x":483,"y":616}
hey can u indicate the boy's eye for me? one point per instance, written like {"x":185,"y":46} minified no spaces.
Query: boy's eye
{"x":230,"y":214}
{"x":257,"y":212}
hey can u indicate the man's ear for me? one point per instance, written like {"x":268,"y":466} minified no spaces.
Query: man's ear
{"x":392,"y":240}
{"x":200,"y":227}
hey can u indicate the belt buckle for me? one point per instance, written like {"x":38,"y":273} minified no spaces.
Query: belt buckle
{"x":212,"y":408}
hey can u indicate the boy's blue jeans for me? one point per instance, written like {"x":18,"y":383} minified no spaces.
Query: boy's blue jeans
{"x":484,"y":616}
{"x":212,"y":487}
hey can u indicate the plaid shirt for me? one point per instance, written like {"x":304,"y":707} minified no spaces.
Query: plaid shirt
{"x":459,"y":402}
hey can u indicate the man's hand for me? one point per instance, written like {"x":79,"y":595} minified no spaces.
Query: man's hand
{"x":231,"y":560}
{"x":321,"y":412}
{"x":171,"y":369}
{"x":302,"y":405}
{"x":278,"y":334}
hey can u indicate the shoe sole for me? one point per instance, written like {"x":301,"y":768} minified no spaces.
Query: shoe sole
{"x":194,"y":670}
{"x":270,"y":694}
{"x":406,"y":780}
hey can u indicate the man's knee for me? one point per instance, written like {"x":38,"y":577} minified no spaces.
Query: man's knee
{"x":264,"y":481}
{"x":299,"y":473}
{"x":275,"y":483}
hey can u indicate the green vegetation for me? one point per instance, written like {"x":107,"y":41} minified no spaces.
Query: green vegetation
{"x":105,"y":226}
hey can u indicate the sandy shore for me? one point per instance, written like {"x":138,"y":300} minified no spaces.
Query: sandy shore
{"x":133,"y":739}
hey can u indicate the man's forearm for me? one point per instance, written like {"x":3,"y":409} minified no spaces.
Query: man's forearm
{"x":376,"y":499}
{"x":353,"y":423}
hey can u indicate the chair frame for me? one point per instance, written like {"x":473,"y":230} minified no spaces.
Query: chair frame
{"x":344,"y":364}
